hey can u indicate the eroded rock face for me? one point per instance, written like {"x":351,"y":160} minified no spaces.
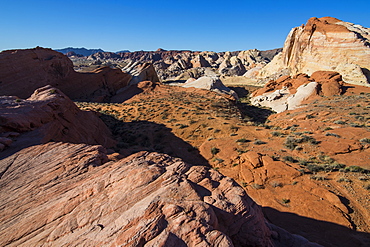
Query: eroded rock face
{"x":23,"y":71}
{"x":287,"y":93}
{"x":325,"y":44}
{"x":48,"y":115}
{"x":68,"y":194}
{"x":141,"y":72}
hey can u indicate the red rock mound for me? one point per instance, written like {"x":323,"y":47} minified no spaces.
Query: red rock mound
{"x":329,"y":83}
{"x":63,"y":194}
{"x":23,"y":71}
{"x":48,"y":115}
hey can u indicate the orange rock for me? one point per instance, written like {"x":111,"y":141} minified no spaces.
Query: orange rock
{"x":23,"y":71}
{"x":49,"y":115}
{"x":68,"y":194}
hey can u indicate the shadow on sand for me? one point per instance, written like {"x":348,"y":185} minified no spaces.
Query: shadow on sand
{"x":321,"y":232}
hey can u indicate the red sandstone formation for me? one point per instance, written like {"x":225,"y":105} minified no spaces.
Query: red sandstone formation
{"x":48,"y":115}
{"x":324,"y":44}
{"x":23,"y":71}
{"x":63,"y":194}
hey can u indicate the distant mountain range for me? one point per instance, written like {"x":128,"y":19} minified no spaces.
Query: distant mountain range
{"x":83,"y":51}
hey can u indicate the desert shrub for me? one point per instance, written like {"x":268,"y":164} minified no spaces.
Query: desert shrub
{"x":215,"y":150}
{"x":257,"y":186}
{"x":365,"y":140}
{"x":276,"y":184}
{"x":259,"y":142}
{"x":290,"y":143}
{"x":314,"y":168}
{"x":355,"y":125}
{"x":242,"y":140}
{"x":285,"y":200}
{"x":363,"y":178}
{"x":367,"y":186}
{"x":183,"y":126}
{"x":290,"y":159}
{"x":342,"y":179}
{"x":303,"y":162}
{"x":218,"y":160}
{"x":318,"y":177}
{"x":356,"y":169}
{"x":235,"y":164}
{"x":333,"y":167}
{"x":339,"y":122}
{"x":325,"y":158}
{"x":276,"y":133}
{"x":332,"y":134}
{"x":298,"y":148}
{"x":328,"y":128}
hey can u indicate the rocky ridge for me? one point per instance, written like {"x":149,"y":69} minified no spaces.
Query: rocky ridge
{"x":324,"y":44}
{"x":182,"y":65}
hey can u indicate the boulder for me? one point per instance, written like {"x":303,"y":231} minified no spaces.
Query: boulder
{"x":211,"y":83}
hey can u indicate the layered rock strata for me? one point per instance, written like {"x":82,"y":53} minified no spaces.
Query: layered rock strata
{"x":324,"y":44}
{"x":61,"y":194}
{"x":48,"y":115}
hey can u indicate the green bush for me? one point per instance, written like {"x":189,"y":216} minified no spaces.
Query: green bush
{"x":215,"y":150}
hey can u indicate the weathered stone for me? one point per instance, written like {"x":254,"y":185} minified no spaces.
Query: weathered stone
{"x":69,"y":194}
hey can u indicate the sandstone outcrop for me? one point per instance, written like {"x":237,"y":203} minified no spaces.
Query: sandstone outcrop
{"x":61,"y":194}
{"x":23,"y":71}
{"x":141,"y":72}
{"x":48,"y":115}
{"x":287,"y":93}
{"x":324,"y":44}
{"x":210,"y":83}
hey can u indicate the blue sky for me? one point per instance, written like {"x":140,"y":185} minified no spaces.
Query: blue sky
{"x":114,"y":25}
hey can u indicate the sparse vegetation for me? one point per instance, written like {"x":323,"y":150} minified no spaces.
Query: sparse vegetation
{"x":285,"y":200}
{"x":215,"y":151}
{"x":242,"y":140}
{"x":257,"y":186}
{"x":259,"y":142}
{"x":365,"y":140}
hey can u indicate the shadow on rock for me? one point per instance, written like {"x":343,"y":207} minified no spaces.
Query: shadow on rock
{"x":321,"y":232}
{"x":138,"y":136}
{"x":248,"y":111}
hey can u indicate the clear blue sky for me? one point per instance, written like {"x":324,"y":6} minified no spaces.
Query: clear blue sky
{"x":114,"y":25}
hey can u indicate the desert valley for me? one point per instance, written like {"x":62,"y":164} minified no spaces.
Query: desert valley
{"x":189,"y":148}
